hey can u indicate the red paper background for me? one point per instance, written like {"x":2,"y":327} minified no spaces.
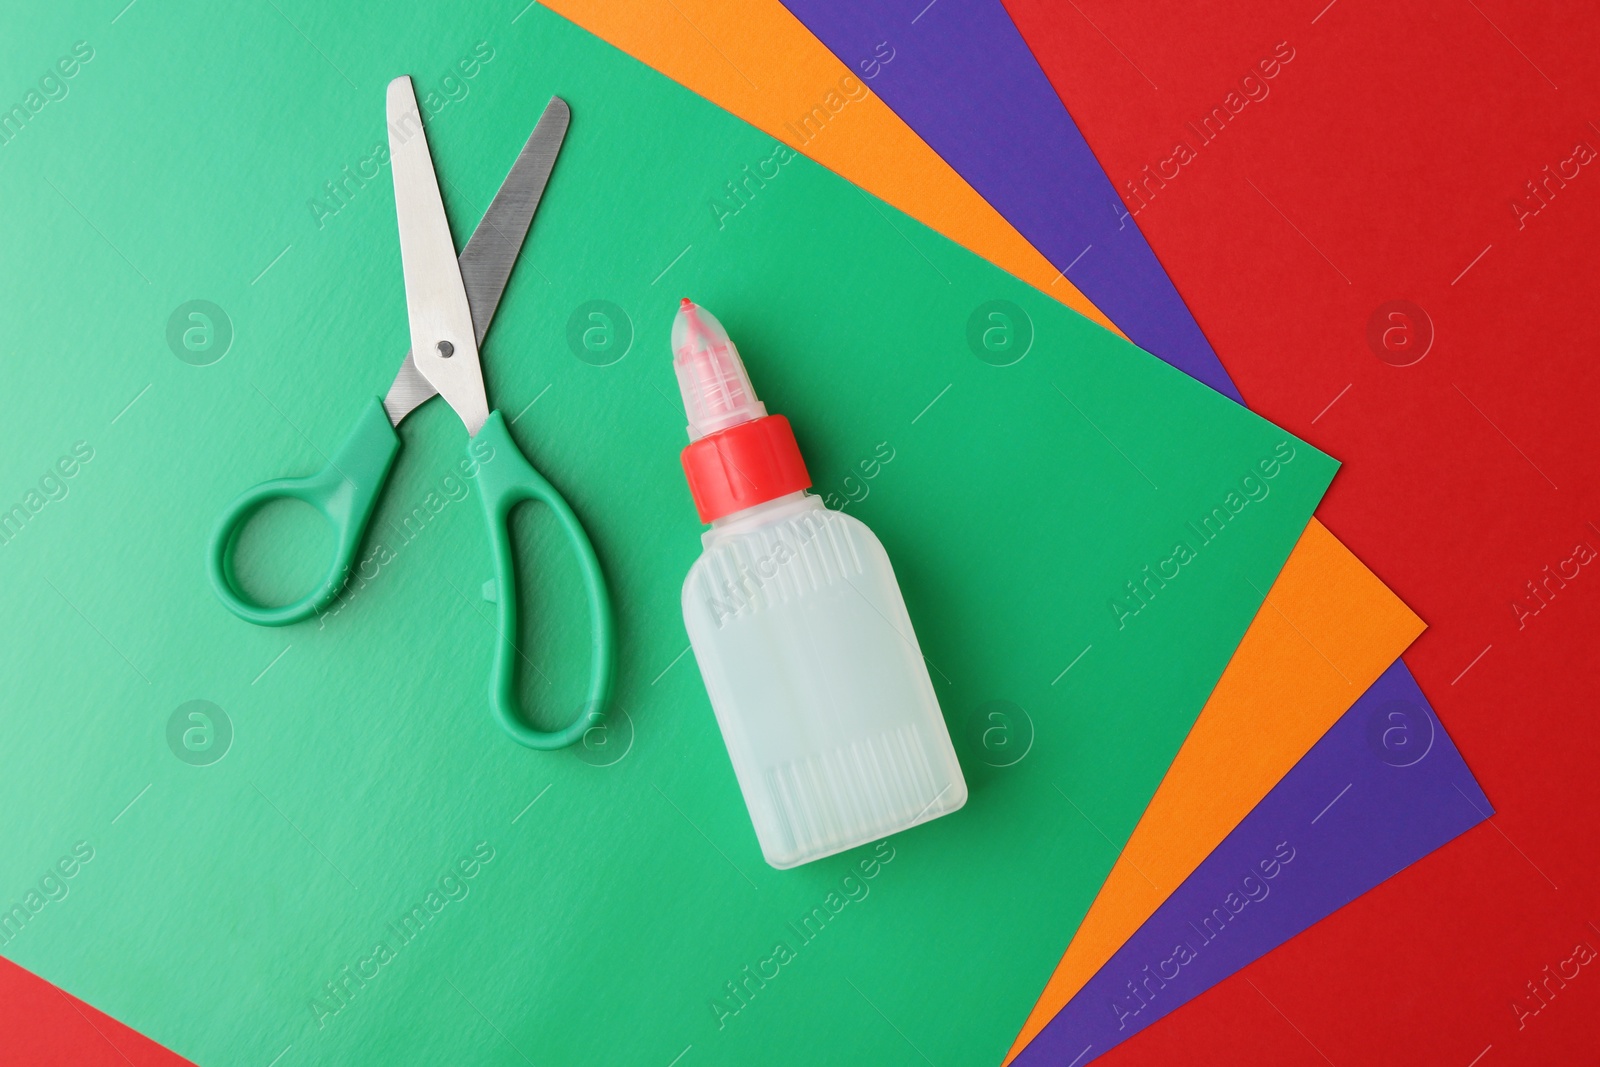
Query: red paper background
{"x":1384,"y":161}
{"x":40,"y":1026}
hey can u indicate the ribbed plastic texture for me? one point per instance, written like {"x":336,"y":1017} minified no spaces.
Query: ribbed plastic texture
{"x":817,"y":681}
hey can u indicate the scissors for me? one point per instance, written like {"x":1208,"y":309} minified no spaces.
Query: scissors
{"x":449,"y":305}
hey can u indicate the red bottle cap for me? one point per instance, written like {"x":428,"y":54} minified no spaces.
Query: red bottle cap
{"x":743,"y":466}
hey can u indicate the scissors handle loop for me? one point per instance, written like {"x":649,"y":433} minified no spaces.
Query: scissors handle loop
{"x":505,"y":480}
{"x":343,"y":492}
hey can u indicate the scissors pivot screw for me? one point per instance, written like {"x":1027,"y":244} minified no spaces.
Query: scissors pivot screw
{"x":446,"y":349}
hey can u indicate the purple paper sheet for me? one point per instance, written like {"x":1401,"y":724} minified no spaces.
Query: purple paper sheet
{"x":967,"y":83}
{"x":1384,"y":785}
{"x":962,"y":77}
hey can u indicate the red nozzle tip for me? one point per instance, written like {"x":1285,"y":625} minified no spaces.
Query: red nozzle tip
{"x":685,"y":303}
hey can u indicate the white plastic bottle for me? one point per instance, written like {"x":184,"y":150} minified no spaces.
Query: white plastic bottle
{"x":800,"y":631}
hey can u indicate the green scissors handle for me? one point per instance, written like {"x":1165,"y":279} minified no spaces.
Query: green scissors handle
{"x":506,"y":479}
{"x":344,"y":492}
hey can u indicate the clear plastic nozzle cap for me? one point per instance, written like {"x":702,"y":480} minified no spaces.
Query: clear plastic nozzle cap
{"x":716,"y":390}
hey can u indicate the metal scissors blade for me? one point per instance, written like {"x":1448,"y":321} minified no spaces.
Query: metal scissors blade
{"x":492,"y":249}
{"x":444,"y":345}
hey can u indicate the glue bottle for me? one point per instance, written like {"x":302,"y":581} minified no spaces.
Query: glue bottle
{"x":800,"y":630}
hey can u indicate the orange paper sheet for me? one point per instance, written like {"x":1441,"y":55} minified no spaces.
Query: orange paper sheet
{"x":1328,"y":627}
{"x":754,"y":59}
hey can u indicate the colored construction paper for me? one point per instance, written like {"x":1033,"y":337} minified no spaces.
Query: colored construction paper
{"x":1283,"y":868}
{"x":1263,"y":717}
{"x":815,"y":104}
{"x":1017,"y":107}
{"x":790,"y":59}
{"x":962,"y":78}
{"x":1255,"y":725}
{"x":343,"y":859}
{"x":1395,"y":252}
{"x":864,"y":141}
{"x":45,"y":1027}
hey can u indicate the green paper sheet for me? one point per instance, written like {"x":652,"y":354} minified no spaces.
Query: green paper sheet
{"x":344,"y":787}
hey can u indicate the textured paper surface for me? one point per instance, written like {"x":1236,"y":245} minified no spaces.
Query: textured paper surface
{"x":217,"y":908}
{"x":1419,"y":257}
{"x":758,"y":62}
{"x":964,"y":81}
{"x":45,"y":1027}
{"x":1063,"y":165}
{"x":1254,"y":726}
{"x":1279,"y":712}
{"x":1283,"y":868}
{"x":867,"y":143}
